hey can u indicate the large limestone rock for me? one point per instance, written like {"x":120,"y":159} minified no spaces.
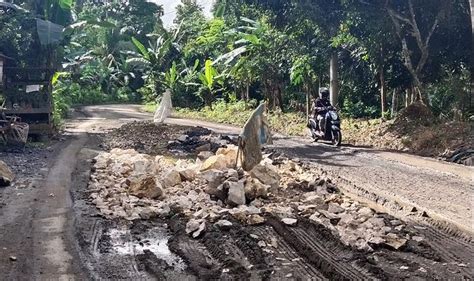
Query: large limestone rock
{"x":6,"y":175}
{"x":255,"y":189}
{"x":171,"y":178}
{"x":230,"y":154}
{"x":217,"y":162}
{"x":266,"y":174}
{"x":236,"y":194}
{"x":213,"y":177}
{"x":146,"y":187}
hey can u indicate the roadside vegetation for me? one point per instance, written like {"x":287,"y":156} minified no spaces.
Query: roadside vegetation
{"x":377,"y":57}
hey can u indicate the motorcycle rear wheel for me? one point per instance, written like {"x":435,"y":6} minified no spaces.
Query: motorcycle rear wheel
{"x":336,"y":138}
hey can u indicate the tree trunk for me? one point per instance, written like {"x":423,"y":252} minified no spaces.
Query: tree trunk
{"x":279,"y":96}
{"x":383,"y":90}
{"x":308,"y":107}
{"x":422,"y":41}
{"x":407,"y":97}
{"x":394,"y":103}
{"x":247,"y":92}
{"x":334,"y":79}
{"x":471,"y":2}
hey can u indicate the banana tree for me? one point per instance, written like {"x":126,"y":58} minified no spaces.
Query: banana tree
{"x":171,"y":78}
{"x":157,"y":60}
{"x":210,"y":79}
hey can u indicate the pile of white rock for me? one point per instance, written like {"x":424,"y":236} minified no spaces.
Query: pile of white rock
{"x":129,"y":185}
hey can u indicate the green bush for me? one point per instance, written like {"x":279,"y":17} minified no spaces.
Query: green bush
{"x":358,"y":110}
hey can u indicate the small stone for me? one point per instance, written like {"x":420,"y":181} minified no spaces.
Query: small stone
{"x":364,"y":211}
{"x":289,"y":221}
{"x":403,"y":267}
{"x":188,"y":174}
{"x":192,"y":226}
{"x":395,"y":242}
{"x":223,"y":224}
{"x":377,"y":222}
{"x":200,"y":230}
{"x":262,"y":244}
{"x":255,"y":219}
{"x":417,"y":238}
{"x":395,"y":222}
{"x":13,"y":258}
{"x":422,"y":269}
{"x":204,"y":147}
{"x":377,"y":240}
{"x":335,"y":208}
{"x":203,"y":155}
{"x":182,"y":138}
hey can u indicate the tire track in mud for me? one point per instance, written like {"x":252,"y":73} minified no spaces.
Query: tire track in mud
{"x":239,"y":253}
{"x":285,"y":258}
{"x":450,"y":248}
{"x":320,"y":249}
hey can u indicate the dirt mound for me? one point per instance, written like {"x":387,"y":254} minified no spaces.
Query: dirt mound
{"x":141,"y":136}
{"x":147,"y":137}
{"x":411,"y":132}
{"x":415,"y":112}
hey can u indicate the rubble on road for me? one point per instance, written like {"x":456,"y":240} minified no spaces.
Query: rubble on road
{"x":158,"y":139}
{"x":6,"y":174}
{"x":129,"y":185}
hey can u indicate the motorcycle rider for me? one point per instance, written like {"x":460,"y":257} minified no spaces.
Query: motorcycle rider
{"x":320,"y":108}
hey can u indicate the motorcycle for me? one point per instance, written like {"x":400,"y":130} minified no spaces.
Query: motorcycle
{"x":332,"y":129}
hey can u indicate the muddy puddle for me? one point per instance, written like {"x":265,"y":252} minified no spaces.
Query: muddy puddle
{"x":154,"y":240}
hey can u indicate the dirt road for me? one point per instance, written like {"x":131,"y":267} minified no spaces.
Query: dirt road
{"x":37,"y":224}
{"x":397,"y":183}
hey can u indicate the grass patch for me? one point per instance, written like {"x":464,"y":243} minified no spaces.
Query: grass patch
{"x":149,"y":107}
{"x":290,"y":124}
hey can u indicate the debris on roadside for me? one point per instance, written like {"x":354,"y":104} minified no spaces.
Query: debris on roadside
{"x":158,"y":139}
{"x":6,"y":174}
{"x":129,"y":185}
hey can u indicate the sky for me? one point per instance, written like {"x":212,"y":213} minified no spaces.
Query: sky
{"x":170,"y":9}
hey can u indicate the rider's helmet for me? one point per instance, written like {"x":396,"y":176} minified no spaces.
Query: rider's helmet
{"x":324,"y":93}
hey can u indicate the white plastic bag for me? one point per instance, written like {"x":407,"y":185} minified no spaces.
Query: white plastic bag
{"x":164,"y":110}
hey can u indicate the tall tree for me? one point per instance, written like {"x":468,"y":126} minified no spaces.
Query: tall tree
{"x":471,"y":4}
{"x":411,"y":23}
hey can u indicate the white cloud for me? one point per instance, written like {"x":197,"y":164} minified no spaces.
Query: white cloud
{"x":169,"y":7}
